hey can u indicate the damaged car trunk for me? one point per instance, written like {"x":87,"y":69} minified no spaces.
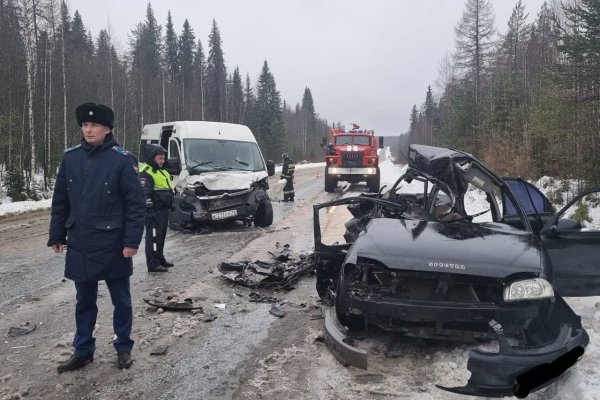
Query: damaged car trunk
{"x":420,"y":261}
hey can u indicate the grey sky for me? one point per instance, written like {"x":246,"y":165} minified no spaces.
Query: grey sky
{"x":364,"y":61}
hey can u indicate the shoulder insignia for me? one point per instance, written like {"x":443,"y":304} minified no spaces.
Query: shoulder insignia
{"x":121,"y":151}
{"x":73,"y":148}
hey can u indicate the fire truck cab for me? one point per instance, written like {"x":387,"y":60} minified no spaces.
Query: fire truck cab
{"x":351,"y":156}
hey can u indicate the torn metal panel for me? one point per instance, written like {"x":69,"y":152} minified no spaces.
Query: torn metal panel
{"x":260,"y":274}
{"x":186,"y":305}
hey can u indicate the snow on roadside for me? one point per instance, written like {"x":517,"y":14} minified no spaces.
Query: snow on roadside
{"x":23,"y":206}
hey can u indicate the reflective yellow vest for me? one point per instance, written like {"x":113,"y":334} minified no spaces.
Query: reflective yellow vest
{"x":161,"y":178}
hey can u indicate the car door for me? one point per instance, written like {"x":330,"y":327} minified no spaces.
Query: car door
{"x":571,"y":241}
{"x":534,"y":203}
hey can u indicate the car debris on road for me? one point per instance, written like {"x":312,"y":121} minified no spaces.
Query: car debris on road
{"x":280,"y":274}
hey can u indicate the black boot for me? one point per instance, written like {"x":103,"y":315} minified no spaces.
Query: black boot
{"x":124,"y":360}
{"x":157,"y":269}
{"x":166,"y":264}
{"x":73,"y":363}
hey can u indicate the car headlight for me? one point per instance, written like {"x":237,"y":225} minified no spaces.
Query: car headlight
{"x":528,"y":289}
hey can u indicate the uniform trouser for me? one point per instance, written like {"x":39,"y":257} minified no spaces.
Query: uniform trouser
{"x":157,"y":222}
{"x":288,"y":189}
{"x":86,"y":312}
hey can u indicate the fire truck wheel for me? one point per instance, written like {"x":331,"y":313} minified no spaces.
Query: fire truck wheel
{"x":330,"y":183}
{"x":374,"y":182}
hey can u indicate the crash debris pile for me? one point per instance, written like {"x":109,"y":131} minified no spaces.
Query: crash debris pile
{"x":281,"y":273}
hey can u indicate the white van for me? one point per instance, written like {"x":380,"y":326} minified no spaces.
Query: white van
{"x":218,"y":172}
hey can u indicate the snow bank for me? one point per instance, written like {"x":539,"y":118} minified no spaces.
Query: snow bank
{"x":23,"y":206}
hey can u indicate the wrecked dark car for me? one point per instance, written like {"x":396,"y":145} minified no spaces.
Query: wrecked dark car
{"x":420,"y":261}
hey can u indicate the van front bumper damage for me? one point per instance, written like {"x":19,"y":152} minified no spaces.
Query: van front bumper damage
{"x":513,"y":370}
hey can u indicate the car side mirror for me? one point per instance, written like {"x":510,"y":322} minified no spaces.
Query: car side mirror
{"x":174,"y":166}
{"x":381,"y":142}
{"x":323,"y":141}
{"x":564,"y":224}
{"x":270,"y":167}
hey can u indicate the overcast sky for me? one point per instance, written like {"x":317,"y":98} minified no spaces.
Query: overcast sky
{"x":364,"y":61}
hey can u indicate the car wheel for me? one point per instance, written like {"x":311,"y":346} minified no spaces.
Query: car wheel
{"x":354,"y":323}
{"x":264,"y":214}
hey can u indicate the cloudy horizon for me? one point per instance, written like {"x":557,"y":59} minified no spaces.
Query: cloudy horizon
{"x":367,"y":63}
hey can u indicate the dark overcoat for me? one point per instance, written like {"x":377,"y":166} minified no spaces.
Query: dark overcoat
{"x":98,"y":208}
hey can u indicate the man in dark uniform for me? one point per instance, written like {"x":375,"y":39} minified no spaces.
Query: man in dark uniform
{"x":287,"y":173}
{"x":158,"y":188}
{"x":98,"y":210}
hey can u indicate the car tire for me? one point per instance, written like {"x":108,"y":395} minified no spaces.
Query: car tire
{"x":374,"y":182}
{"x":354,"y":323}
{"x":264,"y":214}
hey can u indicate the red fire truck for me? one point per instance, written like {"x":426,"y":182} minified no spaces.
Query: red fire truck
{"x":351,"y":156}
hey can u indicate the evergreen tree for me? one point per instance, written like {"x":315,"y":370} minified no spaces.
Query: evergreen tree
{"x":187,"y":44}
{"x":236,"y":102}
{"x":474,"y":44}
{"x":270,"y":127}
{"x":170,"y":49}
{"x":146,"y":69}
{"x":414,"y":119}
{"x":199,"y":82}
{"x":216,"y":77}
{"x":250,"y":115}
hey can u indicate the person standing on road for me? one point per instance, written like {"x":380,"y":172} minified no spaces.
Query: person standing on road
{"x":287,"y":173}
{"x":158,"y":189}
{"x":98,"y":210}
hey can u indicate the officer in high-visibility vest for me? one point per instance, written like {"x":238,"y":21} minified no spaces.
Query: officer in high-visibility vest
{"x":287,"y":173}
{"x":158,"y":187}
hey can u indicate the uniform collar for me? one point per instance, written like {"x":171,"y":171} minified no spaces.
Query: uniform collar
{"x":109,"y":141}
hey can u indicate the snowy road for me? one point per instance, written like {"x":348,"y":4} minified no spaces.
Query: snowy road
{"x":246,"y":353}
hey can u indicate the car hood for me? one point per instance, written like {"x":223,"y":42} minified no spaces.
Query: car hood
{"x":489,"y":249}
{"x":222,"y":180}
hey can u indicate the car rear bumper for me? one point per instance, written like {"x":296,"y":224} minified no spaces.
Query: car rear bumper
{"x":513,"y":370}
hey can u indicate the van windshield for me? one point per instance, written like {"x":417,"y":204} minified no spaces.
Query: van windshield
{"x":205,"y":155}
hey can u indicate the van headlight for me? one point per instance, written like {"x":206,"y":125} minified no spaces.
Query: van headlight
{"x":528,"y":289}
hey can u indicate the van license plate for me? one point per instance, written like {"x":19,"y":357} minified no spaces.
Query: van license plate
{"x":224,"y":214}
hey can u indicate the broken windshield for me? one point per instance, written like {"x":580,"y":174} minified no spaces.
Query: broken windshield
{"x":208,"y":155}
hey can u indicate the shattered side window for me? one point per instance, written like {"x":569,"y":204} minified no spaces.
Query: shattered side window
{"x":334,"y":223}
{"x":477,"y":204}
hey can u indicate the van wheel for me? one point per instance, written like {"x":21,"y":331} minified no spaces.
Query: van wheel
{"x":374,"y":182}
{"x":264,"y":214}
{"x":330,"y":182}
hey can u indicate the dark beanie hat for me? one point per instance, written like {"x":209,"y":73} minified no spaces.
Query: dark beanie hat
{"x":98,"y":113}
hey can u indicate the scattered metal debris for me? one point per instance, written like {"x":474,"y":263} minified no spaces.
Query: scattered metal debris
{"x":276,"y":311}
{"x":259,"y":298}
{"x":21,"y":330}
{"x":185,"y":305}
{"x":275,"y":275}
{"x":285,"y":254}
{"x":208,"y":318}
